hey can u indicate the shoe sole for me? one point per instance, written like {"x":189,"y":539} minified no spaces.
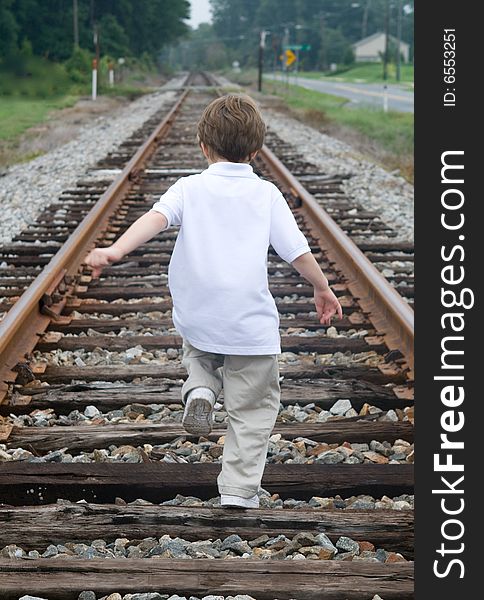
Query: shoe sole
{"x":238,"y":506}
{"x":235,"y":503}
{"x":198,"y":418}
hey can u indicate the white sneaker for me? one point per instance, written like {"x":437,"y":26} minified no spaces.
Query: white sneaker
{"x":197,"y":418}
{"x":226,"y":500}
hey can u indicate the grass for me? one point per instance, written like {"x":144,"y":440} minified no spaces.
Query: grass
{"x":366,"y":73}
{"x":386,"y":137}
{"x":18,"y":114}
{"x":31,"y":87}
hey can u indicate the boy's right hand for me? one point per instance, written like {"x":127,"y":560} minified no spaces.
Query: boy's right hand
{"x":327,"y":305}
{"x":99,"y":258}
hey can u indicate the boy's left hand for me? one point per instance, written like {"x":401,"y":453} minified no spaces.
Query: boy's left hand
{"x":327,"y":305}
{"x":102,"y":257}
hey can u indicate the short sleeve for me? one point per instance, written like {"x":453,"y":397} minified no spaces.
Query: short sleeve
{"x":170,"y":204}
{"x":285,"y":237}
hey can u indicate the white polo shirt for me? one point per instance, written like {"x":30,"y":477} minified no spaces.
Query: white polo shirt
{"x":217,"y":276}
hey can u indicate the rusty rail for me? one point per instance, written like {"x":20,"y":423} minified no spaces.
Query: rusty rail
{"x":41,"y":301}
{"x":392,"y":317}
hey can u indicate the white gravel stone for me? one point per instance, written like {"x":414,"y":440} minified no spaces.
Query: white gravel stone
{"x":340,"y":407}
{"x":91,"y":411}
{"x":391,"y":415}
{"x":28,"y":188}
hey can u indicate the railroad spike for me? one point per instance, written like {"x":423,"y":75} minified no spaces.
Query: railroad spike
{"x":24,"y":373}
{"x":46,"y":300}
{"x":45,"y":310}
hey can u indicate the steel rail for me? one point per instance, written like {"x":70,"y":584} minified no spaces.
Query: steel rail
{"x":30,"y":316}
{"x":392,"y":317}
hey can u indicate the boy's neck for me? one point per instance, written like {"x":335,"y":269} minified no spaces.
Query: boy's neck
{"x":224,"y":160}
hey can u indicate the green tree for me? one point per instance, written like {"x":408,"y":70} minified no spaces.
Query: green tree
{"x":154,"y":23}
{"x":125,"y":26}
{"x":288,"y":21}
{"x":114,"y":40}
{"x":8,"y":29}
{"x":335,"y":49}
{"x":329,"y":26}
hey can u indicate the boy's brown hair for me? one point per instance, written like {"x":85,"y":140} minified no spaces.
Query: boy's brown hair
{"x":232,"y":128}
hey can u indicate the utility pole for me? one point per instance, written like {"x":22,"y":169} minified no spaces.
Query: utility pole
{"x":262,"y":43}
{"x":364,"y":22}
{"x":387,"y":41}
{"x":399,"y":36}
{"x":275,"y":41}
{"x":323,"y":42}
{"x":76,"y":23}
{"x":285,"y":45}
{"x":96,"y":42}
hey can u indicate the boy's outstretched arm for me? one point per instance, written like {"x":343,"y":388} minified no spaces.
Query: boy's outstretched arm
{"x":326,"y":302}
{"x":141,"y":231}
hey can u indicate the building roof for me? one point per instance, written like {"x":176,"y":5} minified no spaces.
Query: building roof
{"x":372,"y":37}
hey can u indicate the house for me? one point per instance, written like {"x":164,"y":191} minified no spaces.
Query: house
{"x":371,"y":48}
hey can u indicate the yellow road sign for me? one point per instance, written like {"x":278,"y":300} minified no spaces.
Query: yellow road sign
{"x":290,"y":57}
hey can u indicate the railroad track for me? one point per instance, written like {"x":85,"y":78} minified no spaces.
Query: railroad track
{"x":95,"y":463}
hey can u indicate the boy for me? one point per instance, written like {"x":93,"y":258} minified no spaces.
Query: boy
{"x":217,"y":277}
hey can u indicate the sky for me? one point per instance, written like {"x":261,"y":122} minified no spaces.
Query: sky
{"x":200,"y":12}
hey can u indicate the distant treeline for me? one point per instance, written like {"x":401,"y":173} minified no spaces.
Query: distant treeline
{"x":126,"y":27}
{"x":329,"y":27}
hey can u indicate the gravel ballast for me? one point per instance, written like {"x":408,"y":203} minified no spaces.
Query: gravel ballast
{"x":281,"y":451}
{"x":172,"y":413}
{"x":303,"y":546}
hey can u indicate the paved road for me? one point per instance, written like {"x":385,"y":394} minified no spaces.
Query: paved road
{"x":359,"y":93}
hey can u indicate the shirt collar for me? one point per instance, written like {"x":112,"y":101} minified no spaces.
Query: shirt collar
{"x":230,"y":169}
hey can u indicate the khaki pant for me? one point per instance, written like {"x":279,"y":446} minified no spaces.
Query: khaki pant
{"x":251,"y":400}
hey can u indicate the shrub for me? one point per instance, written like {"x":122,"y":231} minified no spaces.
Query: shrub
{"x":79,"y":66}
{"x":31,"y":76}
